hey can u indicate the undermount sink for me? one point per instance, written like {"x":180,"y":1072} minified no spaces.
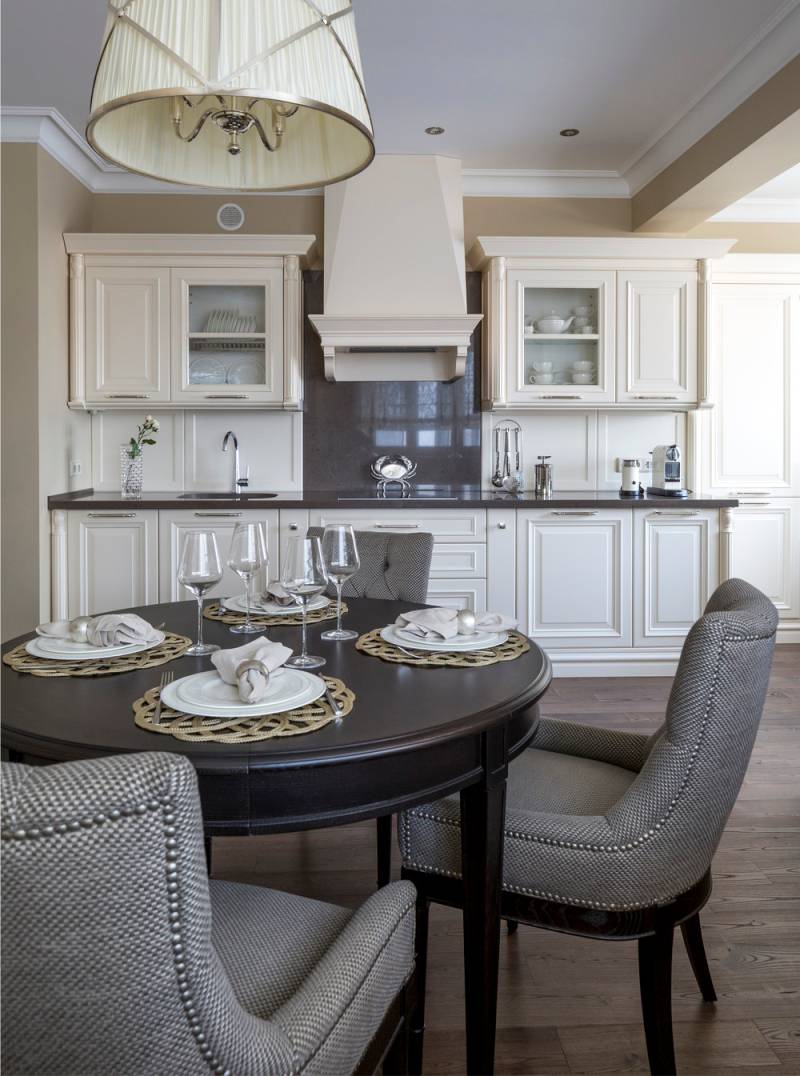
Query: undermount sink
{"x":254,"y":496}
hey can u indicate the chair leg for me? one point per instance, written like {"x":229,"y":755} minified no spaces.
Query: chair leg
{"x":693,"y":940}
{"x":417,"y":1022}
{"x":384,"y":826}
{"x":655,"y":984}
{"x":396,"y":1061}
{"x":512,"y":926}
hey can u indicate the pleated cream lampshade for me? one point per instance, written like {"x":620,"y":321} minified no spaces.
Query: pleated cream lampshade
{"x":191,"y":90}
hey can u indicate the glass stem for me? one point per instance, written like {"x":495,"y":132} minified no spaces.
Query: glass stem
{"x":303,"y":642}
{"x":247,"y":579}
{"x":199,"y":619}
{"x":339,"y":584}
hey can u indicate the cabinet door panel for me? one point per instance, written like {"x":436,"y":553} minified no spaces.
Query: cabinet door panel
{"x":765,"y":550}
{"x":174,"y":525}
{"x":675,"y":571}
{"x":127,"y":334}
{"x":447,"y":525}
{"x":112,"y":561}
{"x":754,"y":425}
{"x":458,"y":594}
{"x":657,"y":334}
{"x":574,"y":577}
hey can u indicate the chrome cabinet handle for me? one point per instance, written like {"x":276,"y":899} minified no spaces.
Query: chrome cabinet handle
{"x":502,"y":526}
{"x":684,"y":515}
{"x":227,"y":396}
{"x":655,"y":397}
{"x":746,"y":504}
{"x":397,"y":526}
{"x":217,"y":515}
{"x":752,"y":492}
{"x":574,"y":512}
{"x":293,"y":527}
{"x":575,"y":396}
{"x":112,"y":515}
{"x":128,"y":395}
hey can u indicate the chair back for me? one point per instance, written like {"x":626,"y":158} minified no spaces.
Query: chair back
{"x":394,"y":566}
{"x":676,"y":809}
{"x":108,"y":964}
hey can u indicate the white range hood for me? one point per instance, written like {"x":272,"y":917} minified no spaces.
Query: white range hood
{"x":395,"y":286}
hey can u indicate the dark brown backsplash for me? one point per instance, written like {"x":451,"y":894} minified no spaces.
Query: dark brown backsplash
{"x":348,"y":424}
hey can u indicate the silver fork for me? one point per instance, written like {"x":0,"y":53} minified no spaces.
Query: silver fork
{"x":166,"y":678}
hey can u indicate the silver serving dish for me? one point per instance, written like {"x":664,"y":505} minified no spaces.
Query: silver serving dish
{"x":389,"y":469}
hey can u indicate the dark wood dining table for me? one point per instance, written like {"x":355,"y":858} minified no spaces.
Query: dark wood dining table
{"x":414,"y":735}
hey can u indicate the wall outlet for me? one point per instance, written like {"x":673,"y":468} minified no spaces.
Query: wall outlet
{"x":75,"y":468}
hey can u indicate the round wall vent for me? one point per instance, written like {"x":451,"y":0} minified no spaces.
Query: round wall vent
{"x":230,"y":217}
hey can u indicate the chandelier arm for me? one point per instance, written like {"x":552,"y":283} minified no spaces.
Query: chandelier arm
{"x":196,"y":129}
{"x":262,"y":134}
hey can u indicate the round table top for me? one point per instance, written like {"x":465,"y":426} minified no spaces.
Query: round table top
{"x":397,"y":707}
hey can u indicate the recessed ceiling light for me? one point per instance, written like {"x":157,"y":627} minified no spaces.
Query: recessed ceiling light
{"x":569,"y":132}
{"x":434,"y":130}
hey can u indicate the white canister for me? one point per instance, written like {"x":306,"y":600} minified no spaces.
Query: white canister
{"x":630,"y":478}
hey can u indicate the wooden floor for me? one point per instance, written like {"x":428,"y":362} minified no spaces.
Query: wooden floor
{"x":571,"y":1005}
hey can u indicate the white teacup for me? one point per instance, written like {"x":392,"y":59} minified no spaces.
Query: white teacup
{"x":587,"y":328}
{"x":539,"y":378}
{"x":582,"y":311}
{"x":543,"y":367}
{"x":579,"y":378}
{"x":583,"y":366}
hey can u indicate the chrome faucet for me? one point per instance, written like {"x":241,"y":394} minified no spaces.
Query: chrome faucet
{"x":240,"y":482}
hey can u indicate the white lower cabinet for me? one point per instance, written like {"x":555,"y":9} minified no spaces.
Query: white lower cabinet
{"x":458,"y":594}
{"x":765,"y":550}
{"x":112,"y":561}
{"x":574,"y":577}
{"x":675,"y":555}
{"x":175,"y":525}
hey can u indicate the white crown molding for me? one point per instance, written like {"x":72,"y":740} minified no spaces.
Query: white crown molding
{"x":775,"y":45}
{"x":761,"y":211}
{"x":542,"y":183}
{"x":585,"y":247}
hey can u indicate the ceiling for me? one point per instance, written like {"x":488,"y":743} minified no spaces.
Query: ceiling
{"x":502,"y":78}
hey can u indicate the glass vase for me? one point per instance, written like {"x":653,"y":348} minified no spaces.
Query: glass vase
{"x":131,"y":474}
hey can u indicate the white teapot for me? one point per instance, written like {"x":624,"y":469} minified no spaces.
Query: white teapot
{"x":552,"y":323}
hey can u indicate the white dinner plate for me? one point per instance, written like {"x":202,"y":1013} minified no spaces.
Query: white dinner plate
{"x":481,"y":640}
{"x":55,"y":650}
{"x":236,"y":605}
{"x":207,"y":695}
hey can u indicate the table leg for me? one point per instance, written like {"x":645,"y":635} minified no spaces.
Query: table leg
{"x":482,"y":818}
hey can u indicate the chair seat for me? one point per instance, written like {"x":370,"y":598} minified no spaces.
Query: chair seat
{"x":538,"y":782}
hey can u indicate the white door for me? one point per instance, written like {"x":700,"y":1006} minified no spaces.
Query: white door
{"x":675,"y":556}
{"x":574,"y":368}
{"x":574,"y":577}
{"x":227,"y":336}
{"x":765,"y":550}
{"x":127,"y":334}
{"x":112,"y":560}
{"x":656,"y":337}
{"x":173,"y":527}
{"x":754,"y":443}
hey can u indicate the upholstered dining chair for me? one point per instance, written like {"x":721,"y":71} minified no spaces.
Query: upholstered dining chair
{"x":120,"y":956}
{"x":611,"y":834}
{"x":395,"y":566}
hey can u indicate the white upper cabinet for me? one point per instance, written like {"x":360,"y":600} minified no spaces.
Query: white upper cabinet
{"x":754,"y":442}
{"x":127,"y":334}
{"x":196,"y":321}
{"x":622,"y":330}
{"x":657,"y":336}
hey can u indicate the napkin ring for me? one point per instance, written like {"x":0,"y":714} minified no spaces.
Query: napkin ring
{"x":254,"y":665}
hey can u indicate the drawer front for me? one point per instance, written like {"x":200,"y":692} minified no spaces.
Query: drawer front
{"x":446,"y":525}
{"x":458,"y":560}
{"x":458,"y":594}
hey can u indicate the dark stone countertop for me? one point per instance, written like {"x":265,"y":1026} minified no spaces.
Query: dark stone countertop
{"x":421,"y":497}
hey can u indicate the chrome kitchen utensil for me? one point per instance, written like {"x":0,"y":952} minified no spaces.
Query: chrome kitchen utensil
{"x":543,"y":477}
{"x":507,"y":472}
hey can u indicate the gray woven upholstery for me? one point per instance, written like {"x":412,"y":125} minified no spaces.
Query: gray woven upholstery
{"x":617,"y":820}
{"x":117,"y":958}
{"x":395,"y":567}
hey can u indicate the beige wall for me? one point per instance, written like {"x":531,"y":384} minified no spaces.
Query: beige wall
{"x":755,"y":238}
{"x":545,"y":216}
{"x":65,"y":205}
{"x":20,"y":444}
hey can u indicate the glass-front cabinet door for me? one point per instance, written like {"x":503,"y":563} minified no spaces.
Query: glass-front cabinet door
{"x":561,"y":338}
{"x":228,"y":342}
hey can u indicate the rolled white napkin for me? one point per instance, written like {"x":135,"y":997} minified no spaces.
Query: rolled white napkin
{"x":443,"y":623}
{"x":108,"y":629}
{"x":252,"y":682}
{"x":278,"y":594}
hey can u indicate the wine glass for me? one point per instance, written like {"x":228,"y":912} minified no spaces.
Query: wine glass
{"x":340,"y":553}
{"x":200,"y":569}
{"x":247,"y":556}
{"x":303,"y":575}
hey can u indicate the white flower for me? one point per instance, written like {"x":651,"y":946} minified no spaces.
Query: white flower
{"x":148,"y":419}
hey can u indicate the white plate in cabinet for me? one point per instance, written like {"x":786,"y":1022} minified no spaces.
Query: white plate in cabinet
{"x":446,"y":525}
{"x":173,"y":526}
{"x":112,"y":560}
{"x":675,"y":555}
{"x":227,"y":364}
{"x":657,"y":337}
{"x":458,"y":594}
{"x":531,"y":294}
{"x":127,"y":336}
{"x":574,"y":577}
{"x":765,"y":550}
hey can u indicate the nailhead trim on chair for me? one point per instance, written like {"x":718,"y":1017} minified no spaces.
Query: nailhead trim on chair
{"x":613,"y":848}
{"x":173,"y":899}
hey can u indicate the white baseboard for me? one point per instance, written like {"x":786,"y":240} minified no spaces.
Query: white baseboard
{"x":625,"y":661}
{"x":788,"y":631}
